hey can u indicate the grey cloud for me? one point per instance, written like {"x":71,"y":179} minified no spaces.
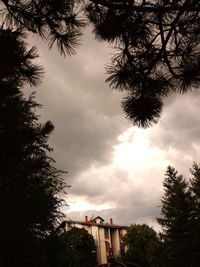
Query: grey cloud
{"x":118,"y":185}
{"x":179,"y":130}
{"x":88,"y":119}
{"x":124,"y":216}
{"x":134,"y":204}
{"x":85,"y":111}
{"x":180,"y":123}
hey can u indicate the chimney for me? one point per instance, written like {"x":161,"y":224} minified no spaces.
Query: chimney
{"x":86,"y":219}
{"x":111,"y":221}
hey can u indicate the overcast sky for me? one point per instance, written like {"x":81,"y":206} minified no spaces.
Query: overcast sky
{"x":115,"y":170}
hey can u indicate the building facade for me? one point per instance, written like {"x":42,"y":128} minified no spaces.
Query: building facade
{"x":108,"y":236}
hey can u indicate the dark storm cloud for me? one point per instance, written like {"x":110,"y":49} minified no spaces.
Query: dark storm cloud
{"x":179,"y":130}
{"x":125,"y":215}
{"x":86,"y":113}
{"x":130,"y":202}
{"x":88,"y":120}
{"x":176,"y":142}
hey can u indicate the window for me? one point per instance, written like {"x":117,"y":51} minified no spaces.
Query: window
{"x":106,"y":233}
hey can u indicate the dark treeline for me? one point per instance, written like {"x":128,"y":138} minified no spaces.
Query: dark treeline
{"x":30,"y":186}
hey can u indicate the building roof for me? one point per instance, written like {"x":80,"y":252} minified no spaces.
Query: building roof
{"x":103,"y":225}
{"x":98,"y":217}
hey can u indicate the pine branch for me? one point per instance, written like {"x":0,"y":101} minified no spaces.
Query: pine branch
{"x":145,"y":9}
{"x":12,"y":14}
{"x":164,"y":44}
{"x":164,"y":48}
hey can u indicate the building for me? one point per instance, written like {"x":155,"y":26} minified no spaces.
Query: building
{"x":108,"y":236}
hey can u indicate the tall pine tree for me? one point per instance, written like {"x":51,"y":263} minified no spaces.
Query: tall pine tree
{"x":195,"y":222}
{"x":175,"y":219}
{"x":30,"y":186}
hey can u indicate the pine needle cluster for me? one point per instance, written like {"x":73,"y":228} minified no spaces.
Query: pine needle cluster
{"x":157,"y":51}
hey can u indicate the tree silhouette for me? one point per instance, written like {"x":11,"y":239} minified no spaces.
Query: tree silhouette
{"x":72,"y":248}
{"x":81,"y":249}
{"x":157,"y":50}
{"x":176,"y":220}
{"x":139,"y":239}
{"x":30,"y":186}
{"x":195,"y":222}
{"x":156,"y":43}
{"x":54,"y":20}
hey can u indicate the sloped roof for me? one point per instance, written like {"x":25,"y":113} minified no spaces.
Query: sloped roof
{"x":94,"y":219}
{"x":103,"y":225}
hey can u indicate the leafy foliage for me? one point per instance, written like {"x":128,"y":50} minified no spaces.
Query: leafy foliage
{"x":156,"y":254}
{"x":139,"y":239}
{"x":30,"y":186}
{"x":73,"y":248}
{"x":81,"y":248}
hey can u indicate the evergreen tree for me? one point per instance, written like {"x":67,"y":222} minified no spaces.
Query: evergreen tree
{"x":30,"y":186}
{"x":195,"y":222}
{"x":156,"y":43}
{"x":56,"y":21}
{"x":175,"y":219}
{"x":157,"y":50}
